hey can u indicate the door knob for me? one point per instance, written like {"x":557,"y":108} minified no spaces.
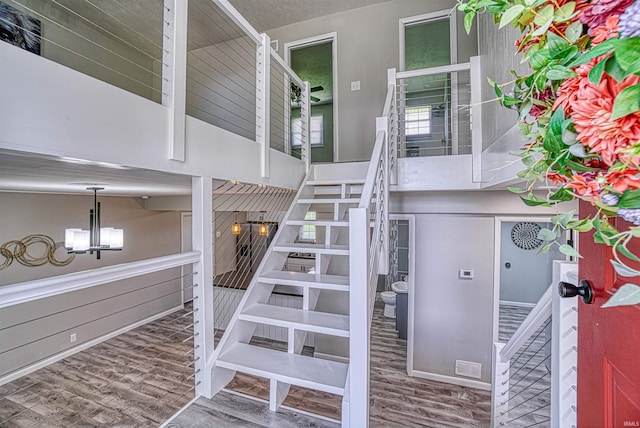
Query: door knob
{"x":583,"y":290}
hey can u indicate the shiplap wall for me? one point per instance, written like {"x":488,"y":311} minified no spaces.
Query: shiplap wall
{"x":221,"y":86}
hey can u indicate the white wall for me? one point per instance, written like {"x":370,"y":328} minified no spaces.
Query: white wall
{"x":368,"y":45}
{"x":61,"y":112}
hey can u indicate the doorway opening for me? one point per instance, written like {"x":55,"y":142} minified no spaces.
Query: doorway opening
{"x":314,"y":60}
{"x":522,"y":274}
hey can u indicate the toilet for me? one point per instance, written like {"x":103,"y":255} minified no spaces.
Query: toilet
{"x":389,"y":299}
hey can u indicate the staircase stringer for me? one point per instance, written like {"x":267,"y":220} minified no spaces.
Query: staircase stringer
{"x":241,"y":331}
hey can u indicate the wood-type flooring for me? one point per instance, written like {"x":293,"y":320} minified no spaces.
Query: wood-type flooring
{"x":139,"y":379}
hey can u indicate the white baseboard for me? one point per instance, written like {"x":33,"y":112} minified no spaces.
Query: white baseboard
{"x":452,"y":379}
{"x":519,"y":304}
{"x":86,"y":345}
{"x":331,"y":357}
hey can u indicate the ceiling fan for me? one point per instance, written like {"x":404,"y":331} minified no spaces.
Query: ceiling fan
{"x":296,"y":93}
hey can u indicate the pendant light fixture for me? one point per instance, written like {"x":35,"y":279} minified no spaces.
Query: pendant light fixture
{"x":235,"y":227}
{"x":97,"y":238}
{"x":263,"y":229}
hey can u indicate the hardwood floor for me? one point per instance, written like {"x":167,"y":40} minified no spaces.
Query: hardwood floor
{"x":136,"y":379}
{"x":140,"y":379}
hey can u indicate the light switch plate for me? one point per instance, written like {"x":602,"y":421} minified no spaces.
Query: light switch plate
{"x":355,"y":86}
{"x":465,"y":274}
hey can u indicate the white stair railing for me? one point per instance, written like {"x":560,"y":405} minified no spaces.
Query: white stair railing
{"x":534,"y":375}
{"x":368,"y":245}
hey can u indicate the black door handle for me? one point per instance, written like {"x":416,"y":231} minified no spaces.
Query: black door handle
{"x":583,"y":290}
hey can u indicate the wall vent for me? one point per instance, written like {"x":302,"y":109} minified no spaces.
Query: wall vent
{"x":469,"y":369}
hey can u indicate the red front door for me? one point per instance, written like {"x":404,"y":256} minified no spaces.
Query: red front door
{"x":608,"y":342}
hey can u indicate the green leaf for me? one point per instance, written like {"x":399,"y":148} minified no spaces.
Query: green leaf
{"x":539,"y":59}
{"x":575,"y":166}
{"x":614,"y":70}
{"x":560,"y":72}
{"x":596,"y":72}
{"x":545,"y":248}
{"x":584,"y":225}
{"x":624,"y":270}
{"x":628,"y":254}
{"x":543,"y":29}
{"x":562,"y":195}
{"x":563,"y":219}
{"x":568,"y":250}
{"x":557,"y":123}
{"x":573,"y":31}
{"x":516,"y":190}
{"x":545,"y":14}
{"x":468,"y":21}
{"x":627,"y":295}
{"x":534,"y":202}
{"x":556,"y":44}
{"x":510,"y":14}
{"x":578,"y":150}
{"x":547,"y":235}
{"x":601,"y":49}
{"x":627,"y":51}
{"x":565,"y":12}
{"x":551,"y":143}
{"x":627,"y":102}
{"x":629,"y":199}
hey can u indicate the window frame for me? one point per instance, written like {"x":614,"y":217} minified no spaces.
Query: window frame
{"x":295,"y":142}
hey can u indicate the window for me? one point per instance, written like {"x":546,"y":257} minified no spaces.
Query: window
{"x":417,"y":120}
{"x":317,"y":126}
{"x":308,"y":231}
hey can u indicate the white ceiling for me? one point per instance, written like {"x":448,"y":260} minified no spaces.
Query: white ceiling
{"x":20,"y":172}
{"x":268,"y":14}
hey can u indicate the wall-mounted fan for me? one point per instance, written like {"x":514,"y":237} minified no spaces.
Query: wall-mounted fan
{"x":296,"y":93}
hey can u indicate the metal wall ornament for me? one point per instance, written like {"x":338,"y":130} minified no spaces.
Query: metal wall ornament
{"x":18,"y":250}
{"x":525,"y":235}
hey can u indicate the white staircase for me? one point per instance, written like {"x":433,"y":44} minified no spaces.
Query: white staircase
{"x":331,"y":199}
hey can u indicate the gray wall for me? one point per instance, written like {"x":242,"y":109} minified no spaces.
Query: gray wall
{"x":147,"y":234}
{"x":530,"y":273}
{"x":498,"y":52}
{"x":34,"y":331}
{"x":368,"y":45}
{"x":453,"y":317}
{"x":455,"y":230}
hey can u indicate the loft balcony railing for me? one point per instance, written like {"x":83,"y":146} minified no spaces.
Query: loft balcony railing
{"x":199,"y":58}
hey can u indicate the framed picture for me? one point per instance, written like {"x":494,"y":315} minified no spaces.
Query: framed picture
{"x":19,"y":29}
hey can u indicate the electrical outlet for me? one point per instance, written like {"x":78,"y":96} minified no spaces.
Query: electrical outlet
{"x":72,"y":338}
{"x":355,"y":86}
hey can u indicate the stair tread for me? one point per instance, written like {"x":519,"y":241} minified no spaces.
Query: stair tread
{"x":335,"y":182}
{"x":340,"y":223}
{"x":312,"y":248}
{"x":330,"y":201}
{"x":332,"y":282}
{"x":317,"y":322}
{"x":315,"y":373}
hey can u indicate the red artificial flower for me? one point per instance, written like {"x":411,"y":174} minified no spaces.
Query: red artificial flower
{"x":599,"y":11}
{"x":555,"y":178}
{"x":621,"y":181}
{"x":607,"y":31}
{"x":545,"y":97}
{"x":585,"y":187}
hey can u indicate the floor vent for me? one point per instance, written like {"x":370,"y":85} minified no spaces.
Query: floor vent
{"x":469,"y":369}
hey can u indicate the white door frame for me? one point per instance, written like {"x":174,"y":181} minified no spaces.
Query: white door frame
{"x":497,"y":262}
{"x":318,"y":40}
{"x":411,"y":218}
